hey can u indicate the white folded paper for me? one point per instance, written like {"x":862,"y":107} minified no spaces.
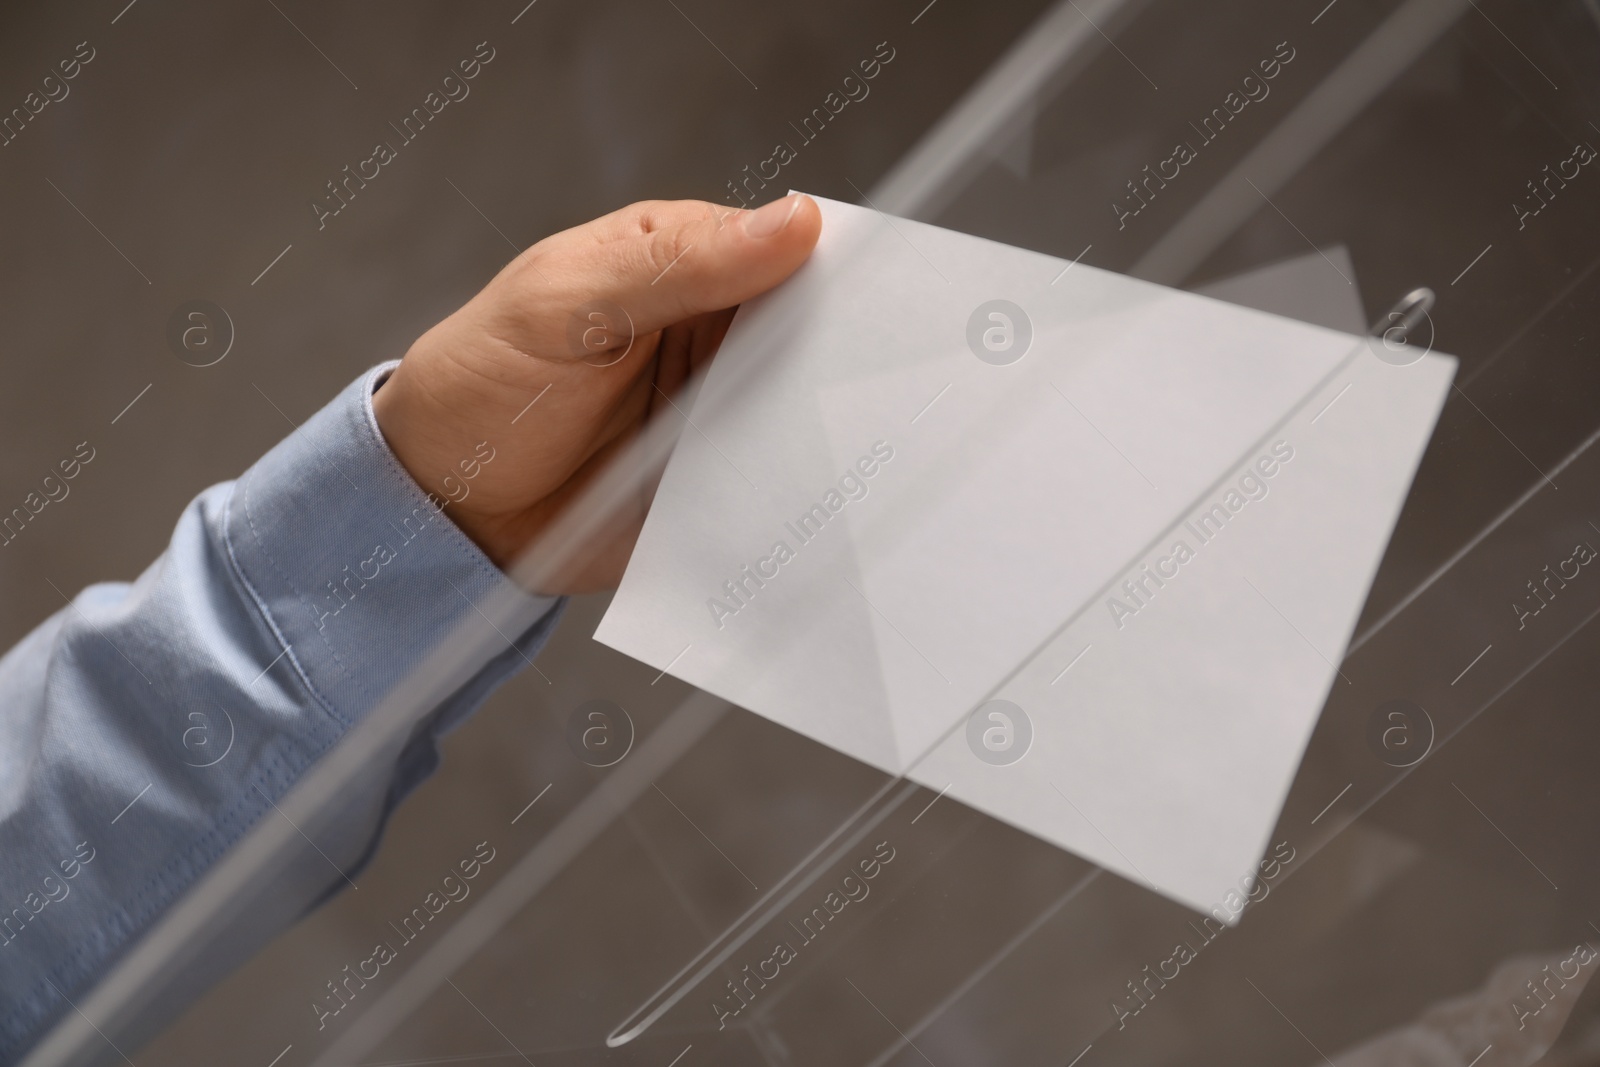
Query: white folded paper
{"x":931,"y":472}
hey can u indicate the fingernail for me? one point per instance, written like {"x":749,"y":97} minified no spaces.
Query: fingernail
{"x":771,"y":219}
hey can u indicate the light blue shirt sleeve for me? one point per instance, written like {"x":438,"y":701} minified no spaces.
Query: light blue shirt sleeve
{"x":147,"y":726}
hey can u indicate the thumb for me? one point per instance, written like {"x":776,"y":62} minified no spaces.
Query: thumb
{"x":681,"y":267}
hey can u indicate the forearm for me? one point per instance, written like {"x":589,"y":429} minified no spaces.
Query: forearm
{"x":147,"y":726}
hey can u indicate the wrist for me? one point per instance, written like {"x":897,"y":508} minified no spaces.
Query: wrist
{"x":410,"y":421}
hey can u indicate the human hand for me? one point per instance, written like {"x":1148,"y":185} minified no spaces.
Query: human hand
{"x":455,"y":412}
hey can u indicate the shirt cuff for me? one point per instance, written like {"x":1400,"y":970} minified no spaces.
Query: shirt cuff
{"x":357,"y":569}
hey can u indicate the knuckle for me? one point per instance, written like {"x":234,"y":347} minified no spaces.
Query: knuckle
{"x":650,"y":214}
